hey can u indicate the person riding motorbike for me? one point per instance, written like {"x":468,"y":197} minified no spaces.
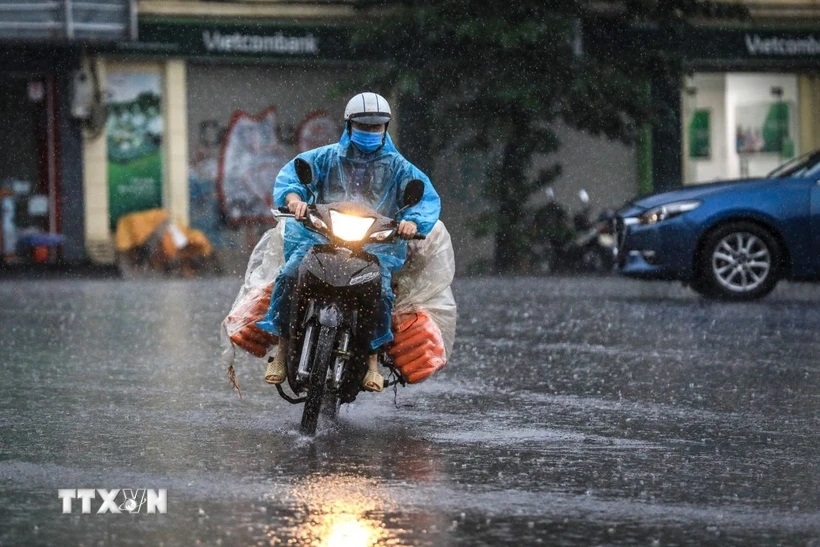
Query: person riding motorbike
{"x":364,"y":167}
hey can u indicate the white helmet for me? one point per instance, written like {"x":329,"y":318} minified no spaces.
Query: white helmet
{"x":369,"y":108}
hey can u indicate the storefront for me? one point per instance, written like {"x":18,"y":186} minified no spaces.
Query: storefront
{"x":47,"y":104}
{"x":203,"y":115}
{"x":752,"y":102}
{"x":40,"y":172}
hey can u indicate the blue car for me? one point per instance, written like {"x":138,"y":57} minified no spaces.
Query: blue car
{"x":730,"y":240}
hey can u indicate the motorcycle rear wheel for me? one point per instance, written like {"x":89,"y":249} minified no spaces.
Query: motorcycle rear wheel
{"x":322,"y":357}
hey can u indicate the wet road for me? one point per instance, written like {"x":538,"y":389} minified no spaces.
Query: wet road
{"x":574,"y":412}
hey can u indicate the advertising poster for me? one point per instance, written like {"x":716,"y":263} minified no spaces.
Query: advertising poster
{"x":765,"y":128}
{"x":700,"y":143}
{"x":134,"y":138}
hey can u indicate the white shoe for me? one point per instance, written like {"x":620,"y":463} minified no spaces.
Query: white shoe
{"x":276,"y":371}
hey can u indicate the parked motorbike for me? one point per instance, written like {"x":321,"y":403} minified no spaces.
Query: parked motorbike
{"x":335,"y":303}
{"x":578,"y":245}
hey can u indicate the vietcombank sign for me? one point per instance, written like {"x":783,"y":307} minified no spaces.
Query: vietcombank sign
{"x":758,"y":45}
{"x":733,"y":46}
{"x":752,"y":44}
{"x":277,"y":43}
{"x":198,"y":39}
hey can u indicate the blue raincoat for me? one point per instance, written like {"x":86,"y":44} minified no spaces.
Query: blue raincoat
{"x":341,"y":172}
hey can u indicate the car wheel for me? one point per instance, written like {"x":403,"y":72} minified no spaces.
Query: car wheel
{"x":740,"y":261}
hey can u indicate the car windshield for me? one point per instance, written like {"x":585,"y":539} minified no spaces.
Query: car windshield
{"x":802,"y":166}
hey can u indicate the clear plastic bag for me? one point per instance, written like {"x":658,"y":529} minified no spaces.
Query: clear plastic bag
{"x":423,"y":283}
{"x":251,"y":303}
{"x":422,"y":287}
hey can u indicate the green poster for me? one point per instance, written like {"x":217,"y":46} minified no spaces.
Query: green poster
{"x":700,"y":138}
{"x":776,"y":126}
{"x":134,"y":137}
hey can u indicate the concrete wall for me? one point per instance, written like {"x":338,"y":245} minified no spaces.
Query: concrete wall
{"x":605,"y":169}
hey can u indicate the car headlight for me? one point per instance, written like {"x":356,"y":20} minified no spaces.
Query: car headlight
{"x":663,"y":212}
{"x":349,"y":227}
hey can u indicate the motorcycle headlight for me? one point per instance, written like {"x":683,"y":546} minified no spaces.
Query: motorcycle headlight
{"x":349,"y":227}
{"x":663,"y":212}
{"x":381,"y":235}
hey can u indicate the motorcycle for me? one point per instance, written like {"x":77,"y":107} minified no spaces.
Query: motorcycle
{"x":580,"y":246}
{"x":337,"y":295}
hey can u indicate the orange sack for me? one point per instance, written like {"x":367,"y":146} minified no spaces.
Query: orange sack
{"x":418,"y":347}
{"x":241,"y":322}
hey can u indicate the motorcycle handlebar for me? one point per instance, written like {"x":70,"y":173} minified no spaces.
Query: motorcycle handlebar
{"x":285,"y":212}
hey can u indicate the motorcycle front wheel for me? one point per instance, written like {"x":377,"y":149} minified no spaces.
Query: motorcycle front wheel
{"x":330,"y":404}
{"x":322,"y":357}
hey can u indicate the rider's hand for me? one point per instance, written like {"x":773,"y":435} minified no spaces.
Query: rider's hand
{"x":407,"y":229}
{"x":297,"y":206}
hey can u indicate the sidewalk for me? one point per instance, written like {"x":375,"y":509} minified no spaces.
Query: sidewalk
{"x":38,"y":271}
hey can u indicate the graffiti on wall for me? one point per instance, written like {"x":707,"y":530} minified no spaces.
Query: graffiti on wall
{"x":317,"y":129}
{"x":249,"y":160}
{"x":234,"y":165}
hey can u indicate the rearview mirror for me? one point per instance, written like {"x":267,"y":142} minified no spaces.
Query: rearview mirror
{"x":413,"y":193}
{"x":303,"y":171}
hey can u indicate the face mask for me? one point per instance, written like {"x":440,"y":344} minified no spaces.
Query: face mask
{"x":366,"y":141}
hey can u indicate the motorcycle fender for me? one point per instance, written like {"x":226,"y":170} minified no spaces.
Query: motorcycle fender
{"x":330,"y":316}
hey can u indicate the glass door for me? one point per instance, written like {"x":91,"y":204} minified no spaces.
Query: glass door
{"x":28,"y":172}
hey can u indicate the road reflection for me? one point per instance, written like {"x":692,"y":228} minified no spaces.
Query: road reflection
{"x":337,"y":511}
{"x":350,"y":488}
